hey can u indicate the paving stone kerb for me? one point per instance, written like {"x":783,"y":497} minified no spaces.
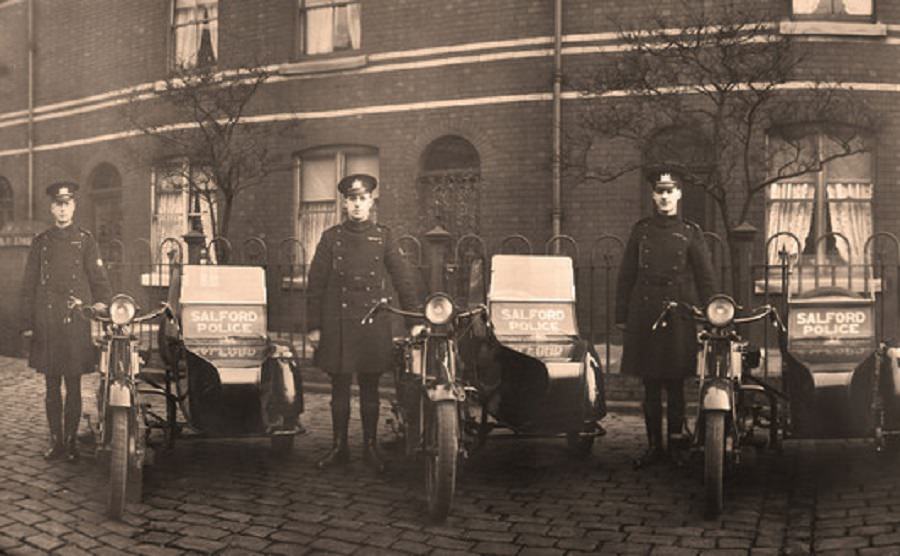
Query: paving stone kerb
{"x":228,"y":496}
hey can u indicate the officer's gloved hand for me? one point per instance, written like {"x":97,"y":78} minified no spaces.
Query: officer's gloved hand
{"x":416,"y":329}
{"x":313,"y":337}
{"x":100,"y":308}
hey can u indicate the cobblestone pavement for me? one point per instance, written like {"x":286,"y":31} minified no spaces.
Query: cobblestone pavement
{"x":514,"y":497}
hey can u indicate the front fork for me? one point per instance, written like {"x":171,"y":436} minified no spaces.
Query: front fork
{"x":119,"y":363}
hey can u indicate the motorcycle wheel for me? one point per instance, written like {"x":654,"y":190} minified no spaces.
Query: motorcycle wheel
{"x":118,"y":461}
{"x":442,"y":430}
{"x":714,"y":454}
{"x":136,"y":435}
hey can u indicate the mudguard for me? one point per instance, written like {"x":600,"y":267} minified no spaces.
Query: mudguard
{"x":119,"y":395}
{"x":716,"y":396}
{"x":444,"y":392}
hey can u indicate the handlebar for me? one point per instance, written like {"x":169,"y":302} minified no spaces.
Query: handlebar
{"x":382,"y":305}
{"x":77,"y":305}
{"x":698,"y":315}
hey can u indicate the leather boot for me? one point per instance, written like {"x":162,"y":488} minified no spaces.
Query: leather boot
{"x":340,"y":452}
{"x":71,"y":445}
{"x":56,"y":451}
{"x":371,"y":455}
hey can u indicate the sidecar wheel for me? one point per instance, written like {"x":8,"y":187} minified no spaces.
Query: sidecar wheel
{"x":442,"y":439}
{"x":714,"y":454}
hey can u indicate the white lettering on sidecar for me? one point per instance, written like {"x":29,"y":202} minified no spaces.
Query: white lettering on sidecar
{"x":831,"y":323}
{"x":533,"y":319}
{"x":224,"y":321}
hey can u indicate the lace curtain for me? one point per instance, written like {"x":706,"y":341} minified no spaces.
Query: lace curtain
{"x":331,"y":27}
{"x":850,"y":209}
{"x":193,"y":18}
{"x":790,"y":210}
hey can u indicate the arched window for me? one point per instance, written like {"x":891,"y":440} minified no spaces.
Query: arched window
{"x":449,"y":186}
{"x":6,"y":202}
{"x":105,"y":184}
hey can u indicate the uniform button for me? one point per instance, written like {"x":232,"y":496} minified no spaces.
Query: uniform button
{"x":344,"y":305}
{"x":343,"y":289}
{"x":674,"y":268}
{"x":338,"y":243}
{"x":372,"y":273}
{"x":340,"y":258}
{"x":646,"y":298}
{"x":368,"y":288}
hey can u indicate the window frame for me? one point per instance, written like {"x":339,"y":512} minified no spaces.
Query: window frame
{"x":301,"y":34}
{"x":173,"y":43}
{"x":824,"y":254}
{"x":870,"y":18}
{"x":339,"y":154}
{"x":7,"y":202}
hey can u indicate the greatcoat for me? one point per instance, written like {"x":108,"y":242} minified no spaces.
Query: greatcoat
{"x":665,"y":259}
{"x":62,"y":262}
{"x":356,"y":264}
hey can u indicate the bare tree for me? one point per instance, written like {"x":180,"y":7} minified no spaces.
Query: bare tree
{"x":724,"y":77}
{"x":202,"y":118}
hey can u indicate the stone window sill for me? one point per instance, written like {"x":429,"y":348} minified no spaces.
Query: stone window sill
{"x":841,"y":28}
{"x":323,"y":65}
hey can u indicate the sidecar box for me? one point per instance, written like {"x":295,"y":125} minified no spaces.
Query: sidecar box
{"x":829,"y":365}
{"x":223,"y":319}
{"x":531,"y":303}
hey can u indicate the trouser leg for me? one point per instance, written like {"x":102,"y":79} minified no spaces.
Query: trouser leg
{"x":652,"y":422}
{"x":72,"y":412}
{"x":674,"y":406}
{"x":53,"y":409}
{"x":72,"y":415}
{"x":340,"y":421}
{"x":369,"y":405}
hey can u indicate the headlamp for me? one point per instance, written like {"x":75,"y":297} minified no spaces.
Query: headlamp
{"x":439,"y":309}
{"x":122,"y":309}
{"x":720,"y":311}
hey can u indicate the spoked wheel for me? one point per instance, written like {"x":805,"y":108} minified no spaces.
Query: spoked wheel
{"x":120,"y":434}
{"x":442,"y":449}
{"x":714,"y":454}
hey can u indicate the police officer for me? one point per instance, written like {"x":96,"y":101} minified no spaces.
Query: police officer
{"x":350,"y":272}
{"x":666,"y":259}
{"x":63,"y":261}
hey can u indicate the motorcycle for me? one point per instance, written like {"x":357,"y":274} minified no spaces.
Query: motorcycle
{"x":430,"y":394}
{"x":735,"y":409}
{"x":122,"y":415}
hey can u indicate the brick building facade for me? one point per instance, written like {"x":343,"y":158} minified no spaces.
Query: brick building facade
{"x":449,"y":92}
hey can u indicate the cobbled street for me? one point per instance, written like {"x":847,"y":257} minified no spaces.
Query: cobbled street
{"x":514,"y":497}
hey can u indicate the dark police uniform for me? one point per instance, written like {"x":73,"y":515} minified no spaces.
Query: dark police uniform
{"x":666,"y":259}
{"x":62,"y":262}
{"x":354,"y":266}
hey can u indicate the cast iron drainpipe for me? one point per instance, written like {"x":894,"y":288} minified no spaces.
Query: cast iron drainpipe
{"x":31,"y":47}
{"x":557,"y":121}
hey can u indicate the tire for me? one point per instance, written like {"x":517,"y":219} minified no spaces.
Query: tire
{"x":442,"y":438}
{"x":118,"y":461}
{"x":580,"y":446}
{"x":714,"y":454}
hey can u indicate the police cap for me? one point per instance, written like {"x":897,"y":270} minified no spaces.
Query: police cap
{"x":665,"y":182}
{"x":355,"y":184}
{"x":62,"y":190}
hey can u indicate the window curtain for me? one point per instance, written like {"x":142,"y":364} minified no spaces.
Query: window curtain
{"x":168,"y":222}
{"x":850,"y":208}
{"x":319,"y":19}
{"x":857,"y":7}
{"x":192,"y":18}
{"x":353,"y":26}
{"x":790,"y":210}
{"x":315,"y":218}
{"x":812,"y":6}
